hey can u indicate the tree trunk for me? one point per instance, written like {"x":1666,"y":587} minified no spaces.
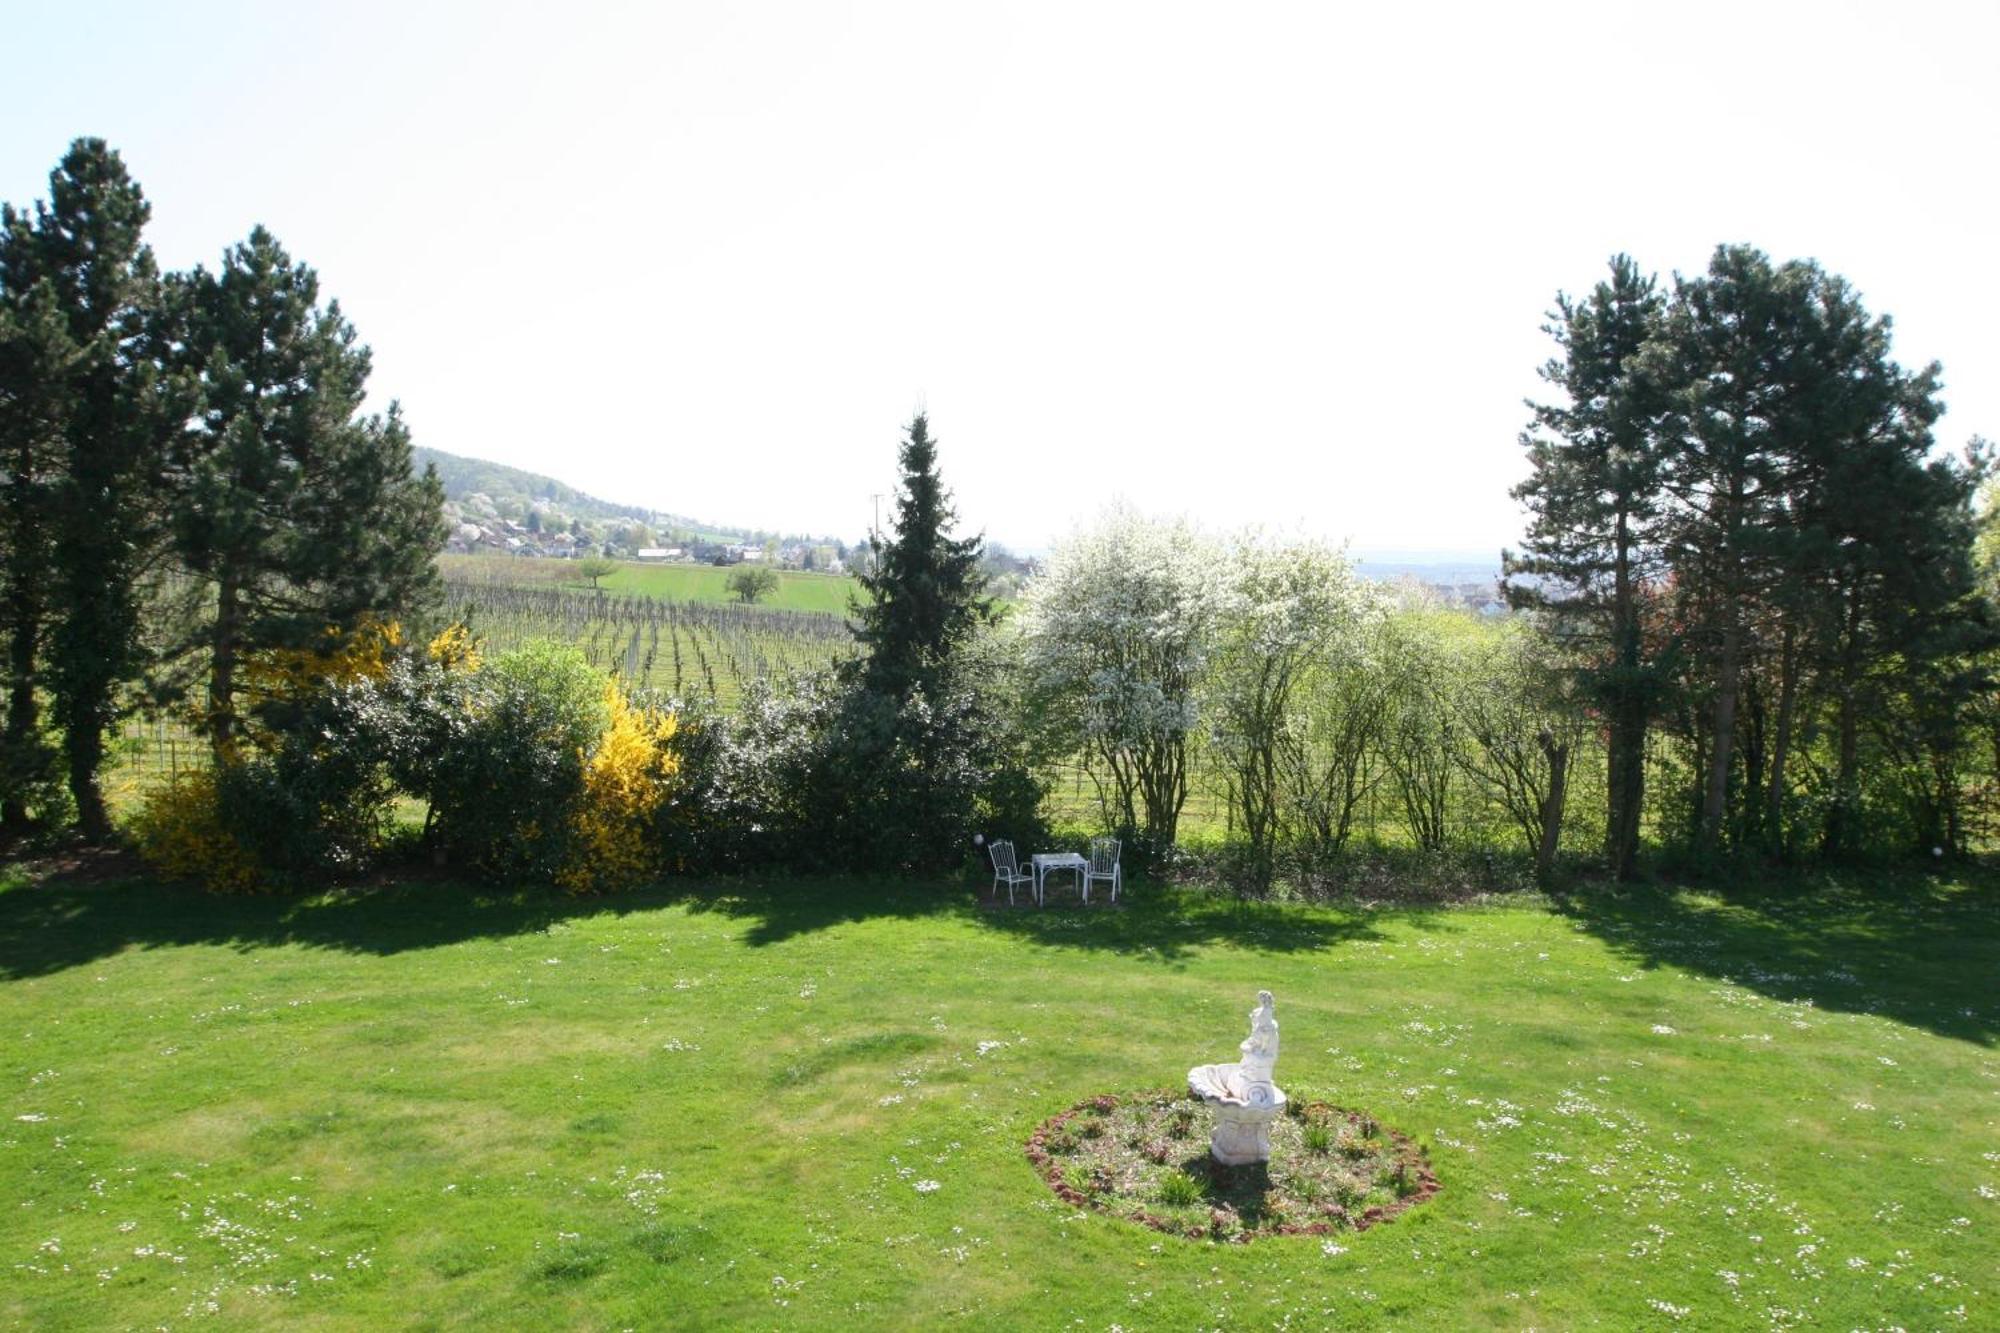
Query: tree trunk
{"x":1781,"y":743}
{"x":1727,"y":685}
{"x":1847,"y":726}
{"x":1627,"y":780}
{"x":84,"y":748}
{"x":23,"y":716}
{"x":1625,"y":740}
{"x":222,"y":670}
{"x":1552,"y":806}
{"x":1753,"y":741}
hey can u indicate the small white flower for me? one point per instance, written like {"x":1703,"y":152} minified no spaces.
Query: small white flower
{"x":928,"y":1187}
{"x":1662,"y":1030}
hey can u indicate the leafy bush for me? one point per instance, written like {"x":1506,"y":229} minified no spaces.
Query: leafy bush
{"x":181,"y":833}
{"x":505,"y":777}
{"x":827,"y":775}
{"x":32,"y":774}
{"x":313,"y":807}
{"x":744,"y":792}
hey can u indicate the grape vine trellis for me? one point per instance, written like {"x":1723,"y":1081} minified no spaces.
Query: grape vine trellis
{"x":682,"y":648}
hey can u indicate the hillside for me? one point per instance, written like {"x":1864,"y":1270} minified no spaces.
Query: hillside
{"x":512,"y":487}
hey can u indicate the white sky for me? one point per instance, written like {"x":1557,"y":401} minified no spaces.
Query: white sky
{"x":1254,"y":263}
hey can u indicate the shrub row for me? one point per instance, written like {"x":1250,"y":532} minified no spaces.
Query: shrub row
{"x":535,"y":767}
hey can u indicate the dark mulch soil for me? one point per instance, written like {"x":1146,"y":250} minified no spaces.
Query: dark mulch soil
{"x":1145,"y":1158}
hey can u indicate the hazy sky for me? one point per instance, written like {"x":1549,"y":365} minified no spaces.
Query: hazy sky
{"x":1253,"y":263}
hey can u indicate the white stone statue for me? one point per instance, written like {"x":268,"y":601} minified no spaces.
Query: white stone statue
{"x":1244,"y":1098}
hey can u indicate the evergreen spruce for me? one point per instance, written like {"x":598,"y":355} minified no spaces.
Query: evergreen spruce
{"x":924,"y":587}
{"x":913,"y":753}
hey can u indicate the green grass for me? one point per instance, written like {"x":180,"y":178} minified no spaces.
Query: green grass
{"x":423,"y":1106}
{"x":669,"y":582}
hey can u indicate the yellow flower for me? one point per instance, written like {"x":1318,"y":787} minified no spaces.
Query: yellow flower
{"x":454,"y":648}
{"x":625,"y":781}
{"x":181,"y":833}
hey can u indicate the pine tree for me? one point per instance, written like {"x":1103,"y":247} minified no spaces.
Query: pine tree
{"x":1732,"y":360}
{"x":35,"y":359}
{"x":1592,"y":551}
{"x":298,"y":513}
{"x":924,"y":588}
{"x":1807,"y":531}
{"x":120,"y":417}
{"x":83,"y":421}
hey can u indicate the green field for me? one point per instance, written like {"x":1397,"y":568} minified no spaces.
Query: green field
{"x":827,"y":593}
{"x":722,"y":1106}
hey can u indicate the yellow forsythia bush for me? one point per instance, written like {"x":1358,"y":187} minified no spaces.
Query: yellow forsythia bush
{"x":455,"y":648}
{"x":625,"y":781}
{"x":180,"y":832}
{"x":362,"y":652}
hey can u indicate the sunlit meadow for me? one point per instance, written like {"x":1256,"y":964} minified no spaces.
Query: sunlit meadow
{"x":803,"y":1105}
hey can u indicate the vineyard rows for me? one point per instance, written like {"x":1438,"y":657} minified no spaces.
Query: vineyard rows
{"x":680,"y":648}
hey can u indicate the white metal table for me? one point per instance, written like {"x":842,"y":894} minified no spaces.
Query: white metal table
{"x":1044,"y":862}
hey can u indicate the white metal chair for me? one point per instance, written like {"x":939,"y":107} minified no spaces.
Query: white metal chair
{"x":1103,"y":866}
{"x":1007,"y":870}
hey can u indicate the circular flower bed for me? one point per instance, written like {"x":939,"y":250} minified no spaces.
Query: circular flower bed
{"x":1145,"y":1158}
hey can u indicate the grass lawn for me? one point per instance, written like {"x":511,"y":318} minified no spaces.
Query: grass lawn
{"x":796,"y":591}
{"x":722,"y":1107}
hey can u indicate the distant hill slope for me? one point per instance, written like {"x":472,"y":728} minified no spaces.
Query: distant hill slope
{"x":475,"y":476}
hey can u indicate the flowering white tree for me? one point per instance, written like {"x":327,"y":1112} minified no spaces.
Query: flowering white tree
{"x":1291,"y":610}
{"x":1524,"y":728}
{"x":1119,"y":631}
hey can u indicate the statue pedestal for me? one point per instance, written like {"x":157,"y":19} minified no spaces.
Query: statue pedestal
{"x":1243,"y":1110}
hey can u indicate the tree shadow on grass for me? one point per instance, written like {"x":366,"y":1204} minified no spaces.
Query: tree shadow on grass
{"x":52,"y":923}
{"x":1168,"y":924}
{"x":1917,"y":947}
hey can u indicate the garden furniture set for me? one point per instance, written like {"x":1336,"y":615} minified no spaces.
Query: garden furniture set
{"x":1100,"y":866}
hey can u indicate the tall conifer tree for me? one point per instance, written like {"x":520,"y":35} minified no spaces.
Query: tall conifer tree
{"x":925,"y":589}
{"x":1592,"y":553}
{"x":83,"y":426}
{"x":911,"y":750}
{"x":1731,"y":358}
{"x":106,"y":511}
{"x":298,"y":513}
{"x":35,"y":359}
